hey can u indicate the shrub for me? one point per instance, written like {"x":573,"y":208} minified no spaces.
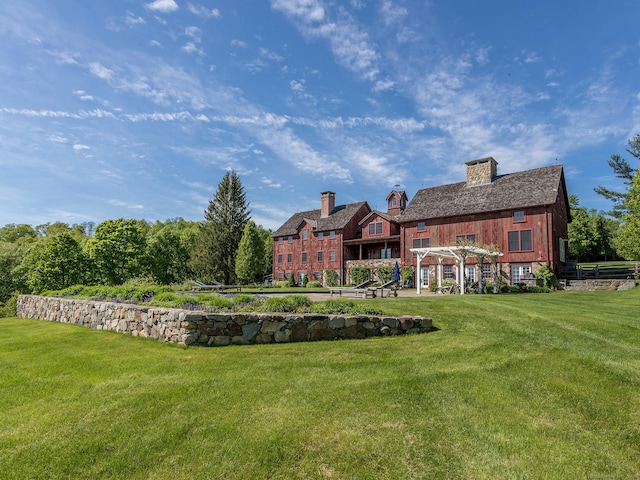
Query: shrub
{"x":290,"y":303}
{"x":8,"y":309}
{"x":305,"y":280}
{"x":242,"y":298}
{"x":385,"y":274}
{"x":331,"y":278}
{"x":359,"y":275}
{"x":344,"y":307}
{"x":545,"y":275}
{"x":408,"y":276}
{"x":291,"y":281}
{"x":165,"y":297}
{"x":281,"y":284}
{"x":314,"y":284}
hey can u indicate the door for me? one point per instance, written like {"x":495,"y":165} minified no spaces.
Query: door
{"x":518,"y":272}
{"x":424,"y":276}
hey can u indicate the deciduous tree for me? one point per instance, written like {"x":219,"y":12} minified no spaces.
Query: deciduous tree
{"x":250,"y":259}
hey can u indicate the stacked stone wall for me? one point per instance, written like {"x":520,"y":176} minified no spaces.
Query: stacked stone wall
{"x":214,"y":329}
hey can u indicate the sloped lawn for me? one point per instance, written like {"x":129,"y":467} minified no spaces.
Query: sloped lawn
{"x":509,"y":386}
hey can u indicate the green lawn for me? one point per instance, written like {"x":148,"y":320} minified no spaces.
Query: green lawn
{"x":509,"y":386}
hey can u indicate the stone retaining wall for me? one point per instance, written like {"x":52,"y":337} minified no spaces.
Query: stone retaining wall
{"x":214,"y":329}
{"x":593,"y":285}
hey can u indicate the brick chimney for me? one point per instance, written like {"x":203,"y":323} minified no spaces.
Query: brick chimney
{"x":481,"y":171}
{"x":328,"y":203}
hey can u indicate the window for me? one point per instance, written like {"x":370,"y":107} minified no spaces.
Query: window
{"x":563,"y":250}
{"x":280,"y":239}
{"x":518,"y":216}
{"x":316,"y":276}
{"x":281,"y":276}
{"x":332,"y":234}
{"x":420,"y":242}
{"x":320,"y":256}
{"x":469,"y":238}
{"x":289,"y":239}
{"x":332,"y":255}
{"x":470,"y":273}
{"x":279,"y":258}
{"x":385,"y":253}
{"x":304,"y":257}
{"x":520,"y":241}
{"x":289,"y":257}
{"x":486,"y":271}
{"x":305,"y":234}
{"x":447,"y":271}
{"x":375,"y":228}
{"x":519,"y":273}
{"x":421,"y":226}
{"x":320,"y":235}
{"x":394,"y":201}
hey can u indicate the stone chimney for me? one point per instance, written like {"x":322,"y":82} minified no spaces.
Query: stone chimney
{"x":328,"y":203}
{"x":481,"y":171}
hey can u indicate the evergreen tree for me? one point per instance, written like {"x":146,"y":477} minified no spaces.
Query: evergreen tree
{"x":250,"y":259}
{"x":626,"y":172}
{"x":214,"y":255}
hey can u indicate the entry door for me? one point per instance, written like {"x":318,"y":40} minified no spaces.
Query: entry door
{"x":470,"y":273}
{"x":424,"y":276}
{"x":518,"y":272}
{"x":300,"y":277}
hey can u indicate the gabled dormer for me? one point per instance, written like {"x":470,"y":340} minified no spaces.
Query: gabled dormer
{"x":396,"y":202}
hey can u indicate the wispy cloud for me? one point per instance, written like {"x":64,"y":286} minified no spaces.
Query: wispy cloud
{"x":350,"y":44}
{"x":120,"y":203}
{"x":204,"y":12}
{"x":79,"y":147}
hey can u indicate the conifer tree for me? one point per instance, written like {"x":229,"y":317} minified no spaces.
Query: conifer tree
{"x":214,"y":255}
{"x":251,"y":256}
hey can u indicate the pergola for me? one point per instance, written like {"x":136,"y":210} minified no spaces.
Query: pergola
{"x":458,"y":253}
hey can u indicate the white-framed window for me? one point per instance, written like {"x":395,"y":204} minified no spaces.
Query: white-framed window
{"x":447,"y":272}
{"x":320,"y":236}
{"x":385,"y":253}
{"x":486,"y":271}
{"x":305,"y":234}
{"x":421,"y":226}
{"x":519,"y":272}
{"x":394,"y":201}
{"x":290,"y":238}
{"x":280,"y":239}
{"x":332,"y":255}
{"x":301,"y":277}
{"x":281,"y":276}
{"x":469,"y":238}
{"x":332,"y":234}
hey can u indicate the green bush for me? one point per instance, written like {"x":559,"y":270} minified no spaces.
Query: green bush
{"x":344,"y":307}
{"x":385,"y":274}
{"x":242,"y":298}
{"x":165,"y":297}
{"x":281,"y":284}
{"x":290,"y":303}
{"x":359,"y":275}
{"x":331,"y":278}
{"x":545,"y":275}
{"x":291,"y":281}
{"x":8,"y":309}
{"x":314,"y":284}
{"x":305,"y":280}
{"x":408,"y":276}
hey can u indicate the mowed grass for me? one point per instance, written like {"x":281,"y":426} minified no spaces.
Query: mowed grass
{"x":508,"y":386}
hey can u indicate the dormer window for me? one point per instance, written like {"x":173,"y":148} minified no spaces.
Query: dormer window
{"x":394,"y":201}
{"x":518,"y":216}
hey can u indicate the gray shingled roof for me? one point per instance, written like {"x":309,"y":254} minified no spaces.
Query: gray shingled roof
{"x":337,"y":219}
{"x":386,"y":216}
{"x":518,"y":190}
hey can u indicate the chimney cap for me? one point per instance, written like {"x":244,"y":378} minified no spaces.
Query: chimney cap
{"x":481,"y":160}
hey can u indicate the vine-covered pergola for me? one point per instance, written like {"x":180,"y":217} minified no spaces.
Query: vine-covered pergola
{"x":459,"y":254}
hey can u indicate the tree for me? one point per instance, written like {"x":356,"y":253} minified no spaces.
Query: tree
{"x":214,"y":255}
{"x":11,"y":256}
{"x":56,"y":262}
{"x":590,"y":233}
{"x":117,"y":249}
{"x":626,"y":172}
{"x":168,"y":251}
{"x":13,"y":233}
{"x":250,"y":259}
{"x":267,"y":239}
{"x":627,"y":239}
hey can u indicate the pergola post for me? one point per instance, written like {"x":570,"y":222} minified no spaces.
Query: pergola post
{"x":439,"y":274}
{"x":418,"y":279}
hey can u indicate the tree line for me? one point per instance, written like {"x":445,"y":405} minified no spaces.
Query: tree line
{"x":227,"y":247}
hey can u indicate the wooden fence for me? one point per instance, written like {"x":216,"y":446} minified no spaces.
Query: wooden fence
{"x":598,"y":271}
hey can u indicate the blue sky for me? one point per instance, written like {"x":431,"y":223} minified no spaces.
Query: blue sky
{"x":137,"y":108}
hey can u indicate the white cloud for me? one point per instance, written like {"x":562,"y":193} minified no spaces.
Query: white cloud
{"x":392,"y":13}
{"x":238,"y":43}
{"x":132,"y":20}
{"x":382,"y":85}
{"x":163,"y":6}
{"x":58,"y":139}
{"x":194,"y":33}
{"x":100,"y":71}
{"x":203,"y":11}
{"x":349,"y":43}
{"x":191,"y":47}
{"x":79,"y":147}
{"x":120,"y":203}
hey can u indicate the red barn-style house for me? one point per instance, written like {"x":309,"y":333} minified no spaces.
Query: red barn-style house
{"x":522,"y":215}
